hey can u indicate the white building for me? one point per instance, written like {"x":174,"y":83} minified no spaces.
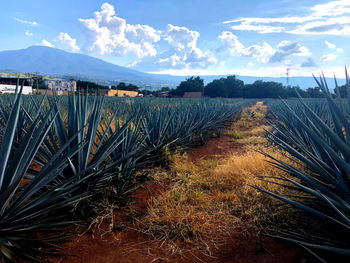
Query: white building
{"x":61,"y":84}
{"x":8,"y":85}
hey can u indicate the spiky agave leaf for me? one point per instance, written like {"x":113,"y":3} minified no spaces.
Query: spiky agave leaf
{"x":26,"y":210}
{"x":321,"y":141}
{"x":97,"y":159}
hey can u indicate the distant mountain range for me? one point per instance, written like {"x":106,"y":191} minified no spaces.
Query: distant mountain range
{"x":59,"y":63}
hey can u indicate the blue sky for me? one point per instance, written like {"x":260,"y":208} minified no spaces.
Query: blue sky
{"x":185,"y":37}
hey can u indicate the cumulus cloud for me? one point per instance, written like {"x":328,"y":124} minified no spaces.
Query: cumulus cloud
{"x":329,"y":57}
{"x":109,"y":34}
{"x":287,"y":48}
{"x":46,"y":43}
{"x":68,"y":42}
{"x":231,"y":43}
{"x":186,"y":53}
{"x":262,"y":52}
{"x":31,"y":23}
{"x":324,"y":19}
{"x":308,"y":63}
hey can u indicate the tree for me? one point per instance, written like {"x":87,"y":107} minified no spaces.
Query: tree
{"x":292,"y":92}
{"x":164,"y":89}
{"x":343,"y":91}
{"x":192,"y":84}
{"x":229,"y":87}
{"x":216,"y":88}
{"x":234,"y":87}
{"x":123,"y":86}
{"x":262,"y":89}
{"x":91,"y":86}
{"x":314,"y":92}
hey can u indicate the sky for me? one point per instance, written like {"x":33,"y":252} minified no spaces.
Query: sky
{"x":189,"y":37}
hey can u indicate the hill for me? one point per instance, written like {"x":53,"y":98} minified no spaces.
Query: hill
{"x":56,"y":62}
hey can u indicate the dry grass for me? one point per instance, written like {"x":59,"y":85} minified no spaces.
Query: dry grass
{"x":213,"y":196}
{"x":258,"y":130}
{"x":234,"y":133}
{"x":253,"y":140}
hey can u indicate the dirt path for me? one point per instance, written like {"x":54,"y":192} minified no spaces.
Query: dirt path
{"x":116,"y":238}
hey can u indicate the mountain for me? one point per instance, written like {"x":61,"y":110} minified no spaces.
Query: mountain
{"x":56,"y":62}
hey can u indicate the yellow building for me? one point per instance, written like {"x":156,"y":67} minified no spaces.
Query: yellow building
{"x":122,"y":93}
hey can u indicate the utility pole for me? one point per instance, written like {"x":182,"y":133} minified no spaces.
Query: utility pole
{"x":36,"y":77}
{"x":287,"y":78}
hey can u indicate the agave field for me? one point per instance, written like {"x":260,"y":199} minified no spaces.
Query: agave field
{"x":316,"y":134}
{"x":58,"y":153}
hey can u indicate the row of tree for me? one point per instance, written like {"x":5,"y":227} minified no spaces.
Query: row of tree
{"x":232,"y":87}
{"x":229,"y":87}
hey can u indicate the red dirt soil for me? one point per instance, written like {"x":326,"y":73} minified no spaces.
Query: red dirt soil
{"x":124,"y":244}
{"x":127,"y":245}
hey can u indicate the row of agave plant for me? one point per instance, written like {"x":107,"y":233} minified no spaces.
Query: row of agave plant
{"x":317,"y":135}
{"x":58,"y":152}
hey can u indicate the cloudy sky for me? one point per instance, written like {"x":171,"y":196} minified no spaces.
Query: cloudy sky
{"x":185,"y":37}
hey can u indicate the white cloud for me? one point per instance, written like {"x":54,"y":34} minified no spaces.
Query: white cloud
{"x":181,"y":37}
{"x":142,"y":33}
{"x":68,"y":42}
{"x":46,"y":43}
{"x":31,"y":23}
{"x":263,"y":20}
{"x":108,"y":33}
{"x":287,"y":48}
{"x":132,"y":64}
{"x":186,"y":53}
{"x":333,"y":8}
{"x":263,"y":29}
{"x":337,"y":26}
{"x":324,"y":19}
{"x":329,"y":57}
{"x":231,"y":43}
{"x":333,"y":46}
{"x":262,"y":52}
{"x":329,"y":44}
{"x":28,"y":34}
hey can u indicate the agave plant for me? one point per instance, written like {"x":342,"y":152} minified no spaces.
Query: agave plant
{"x":28,"y":208}
{"x":97,"y":159}
{"x":321,"y":141}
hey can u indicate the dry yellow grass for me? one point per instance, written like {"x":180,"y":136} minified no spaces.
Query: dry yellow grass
{"x":234,"y":133}
{"x":252,"y":140}
{"x":259,"y":130}
{"x":212,"y":196}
